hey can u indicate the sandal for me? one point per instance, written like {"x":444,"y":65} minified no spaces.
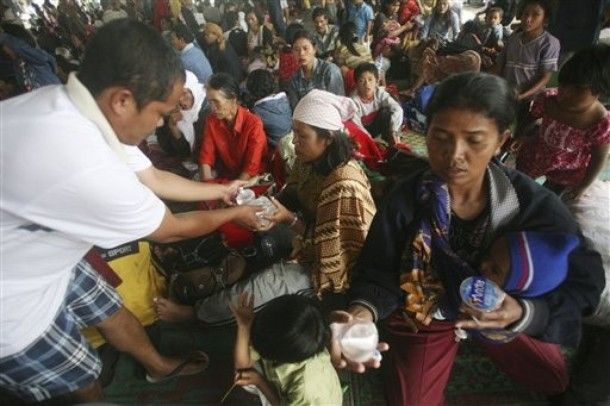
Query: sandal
{"x":194,"y":357}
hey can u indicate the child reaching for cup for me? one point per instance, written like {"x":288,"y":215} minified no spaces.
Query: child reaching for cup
{"x":280,"y":353}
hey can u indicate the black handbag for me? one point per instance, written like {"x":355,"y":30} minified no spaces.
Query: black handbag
{"x":186,"y":255}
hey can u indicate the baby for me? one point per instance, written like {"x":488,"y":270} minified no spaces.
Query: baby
{"x":528,"y":264}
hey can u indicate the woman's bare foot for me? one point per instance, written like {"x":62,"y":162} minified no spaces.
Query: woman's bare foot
{"x":173,"y":312}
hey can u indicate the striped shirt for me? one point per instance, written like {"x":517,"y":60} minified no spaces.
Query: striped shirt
{"x":524,"y":62}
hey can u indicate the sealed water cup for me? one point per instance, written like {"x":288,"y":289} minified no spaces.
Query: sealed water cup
{"x":481,"y":294}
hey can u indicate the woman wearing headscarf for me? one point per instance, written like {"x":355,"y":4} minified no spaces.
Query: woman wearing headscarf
{"x":328,"y":206}
{"x":220,"y":52}
{"x":177,"y":136}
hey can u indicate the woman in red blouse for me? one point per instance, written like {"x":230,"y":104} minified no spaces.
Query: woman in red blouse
{"x":234,"y":144}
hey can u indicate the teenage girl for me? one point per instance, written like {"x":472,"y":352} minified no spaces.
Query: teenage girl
{"x":573,"y":142}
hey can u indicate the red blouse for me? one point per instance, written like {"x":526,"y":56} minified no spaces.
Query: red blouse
{"x":233,"y":151}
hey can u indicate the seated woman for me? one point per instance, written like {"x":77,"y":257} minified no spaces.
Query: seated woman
{"x":432,"y":233}
{"x":180,"y":134}
{"x":220,"y":52}
{"x":234,"y":143}
{"x":313,"y":73}
{"x":443,"y":24}
{"x":332,"y":195}
{"x":349,"y":53}
{"x":387,"y":28}
{"x":259,"y":36}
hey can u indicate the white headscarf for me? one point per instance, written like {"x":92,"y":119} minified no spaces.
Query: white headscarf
{"x":325,"y":110}
{"x":190,"y":116}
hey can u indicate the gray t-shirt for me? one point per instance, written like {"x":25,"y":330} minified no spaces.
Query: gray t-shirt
{"x":523,"y":63}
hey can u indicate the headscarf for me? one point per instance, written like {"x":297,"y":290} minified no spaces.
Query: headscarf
{"x":215,"y":29}
{"x":325,"y":110}
{"x":190,"y":116}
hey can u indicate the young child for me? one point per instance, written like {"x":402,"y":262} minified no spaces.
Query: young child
{"x":274,"y":110}
{"x":362,"y":15}
{"x":492,"y":32}
{"x":530,"y":56}
{"x":282,"y":352}
{"x":380,"y":114}
{"x":573,"y":142}
{"x":528,"y":264}
{"x":525,"y":265}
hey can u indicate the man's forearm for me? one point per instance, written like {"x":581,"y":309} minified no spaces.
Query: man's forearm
{"x":176,"y":227}
{"x":170,"y":186}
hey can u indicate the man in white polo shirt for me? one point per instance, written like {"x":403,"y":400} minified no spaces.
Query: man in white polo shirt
{"x":68,"y":166}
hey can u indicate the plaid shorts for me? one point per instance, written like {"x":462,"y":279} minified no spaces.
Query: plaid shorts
{"x":61,"y":360}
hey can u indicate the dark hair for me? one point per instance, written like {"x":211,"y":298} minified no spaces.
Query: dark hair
{"x":260,"y":83}
{"x":292,"y":30}
{"x":183,"y":33}
{"x":348,"y":37}
{"x":259,"y":16}
{"x":544,"y":4}
{"x":492,"y":10}
{"x":319,"y":12}
{"x":231,"y":18}
{"x":388,"y":3}
{"x":589,"y":67}
{"x":365,"y":67}
{"x":225,"y":83}
{"x":289,"y":329}
{"x":337,"y":153}
{"x":478,"y":92}
{"x":130,"y":54}
{"x":304,"y":34}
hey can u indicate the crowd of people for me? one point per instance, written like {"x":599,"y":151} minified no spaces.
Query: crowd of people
{"x":113,"y":117}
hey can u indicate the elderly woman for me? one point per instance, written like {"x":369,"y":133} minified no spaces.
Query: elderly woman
{"x":331,"y":210}
{"x":177,"y":137}
{"x":430,"y":235}
{"x":234,"y":143}
{"x":313,"y":73}
{"x":220,"y":53}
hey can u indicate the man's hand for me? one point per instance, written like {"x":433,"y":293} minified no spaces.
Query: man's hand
{"x":230,"y":191}
{"x":509,"y":312}
{"x":355,"y":313}
{"x":247,"y":217}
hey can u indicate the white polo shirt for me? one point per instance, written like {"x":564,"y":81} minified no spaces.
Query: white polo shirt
{"x":63,"y":190}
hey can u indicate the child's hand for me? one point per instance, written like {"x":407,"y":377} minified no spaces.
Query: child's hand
{"x":243,"y":309}
{"x":248,"y":376}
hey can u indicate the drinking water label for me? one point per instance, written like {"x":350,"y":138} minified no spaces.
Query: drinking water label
{"x":481,"y":293}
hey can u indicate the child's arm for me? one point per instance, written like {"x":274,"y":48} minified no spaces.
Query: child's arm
{"x":253,"y":377}
{"x":244,"y":314}
{"x":599,"y":155}
{"x":537,"y":86}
